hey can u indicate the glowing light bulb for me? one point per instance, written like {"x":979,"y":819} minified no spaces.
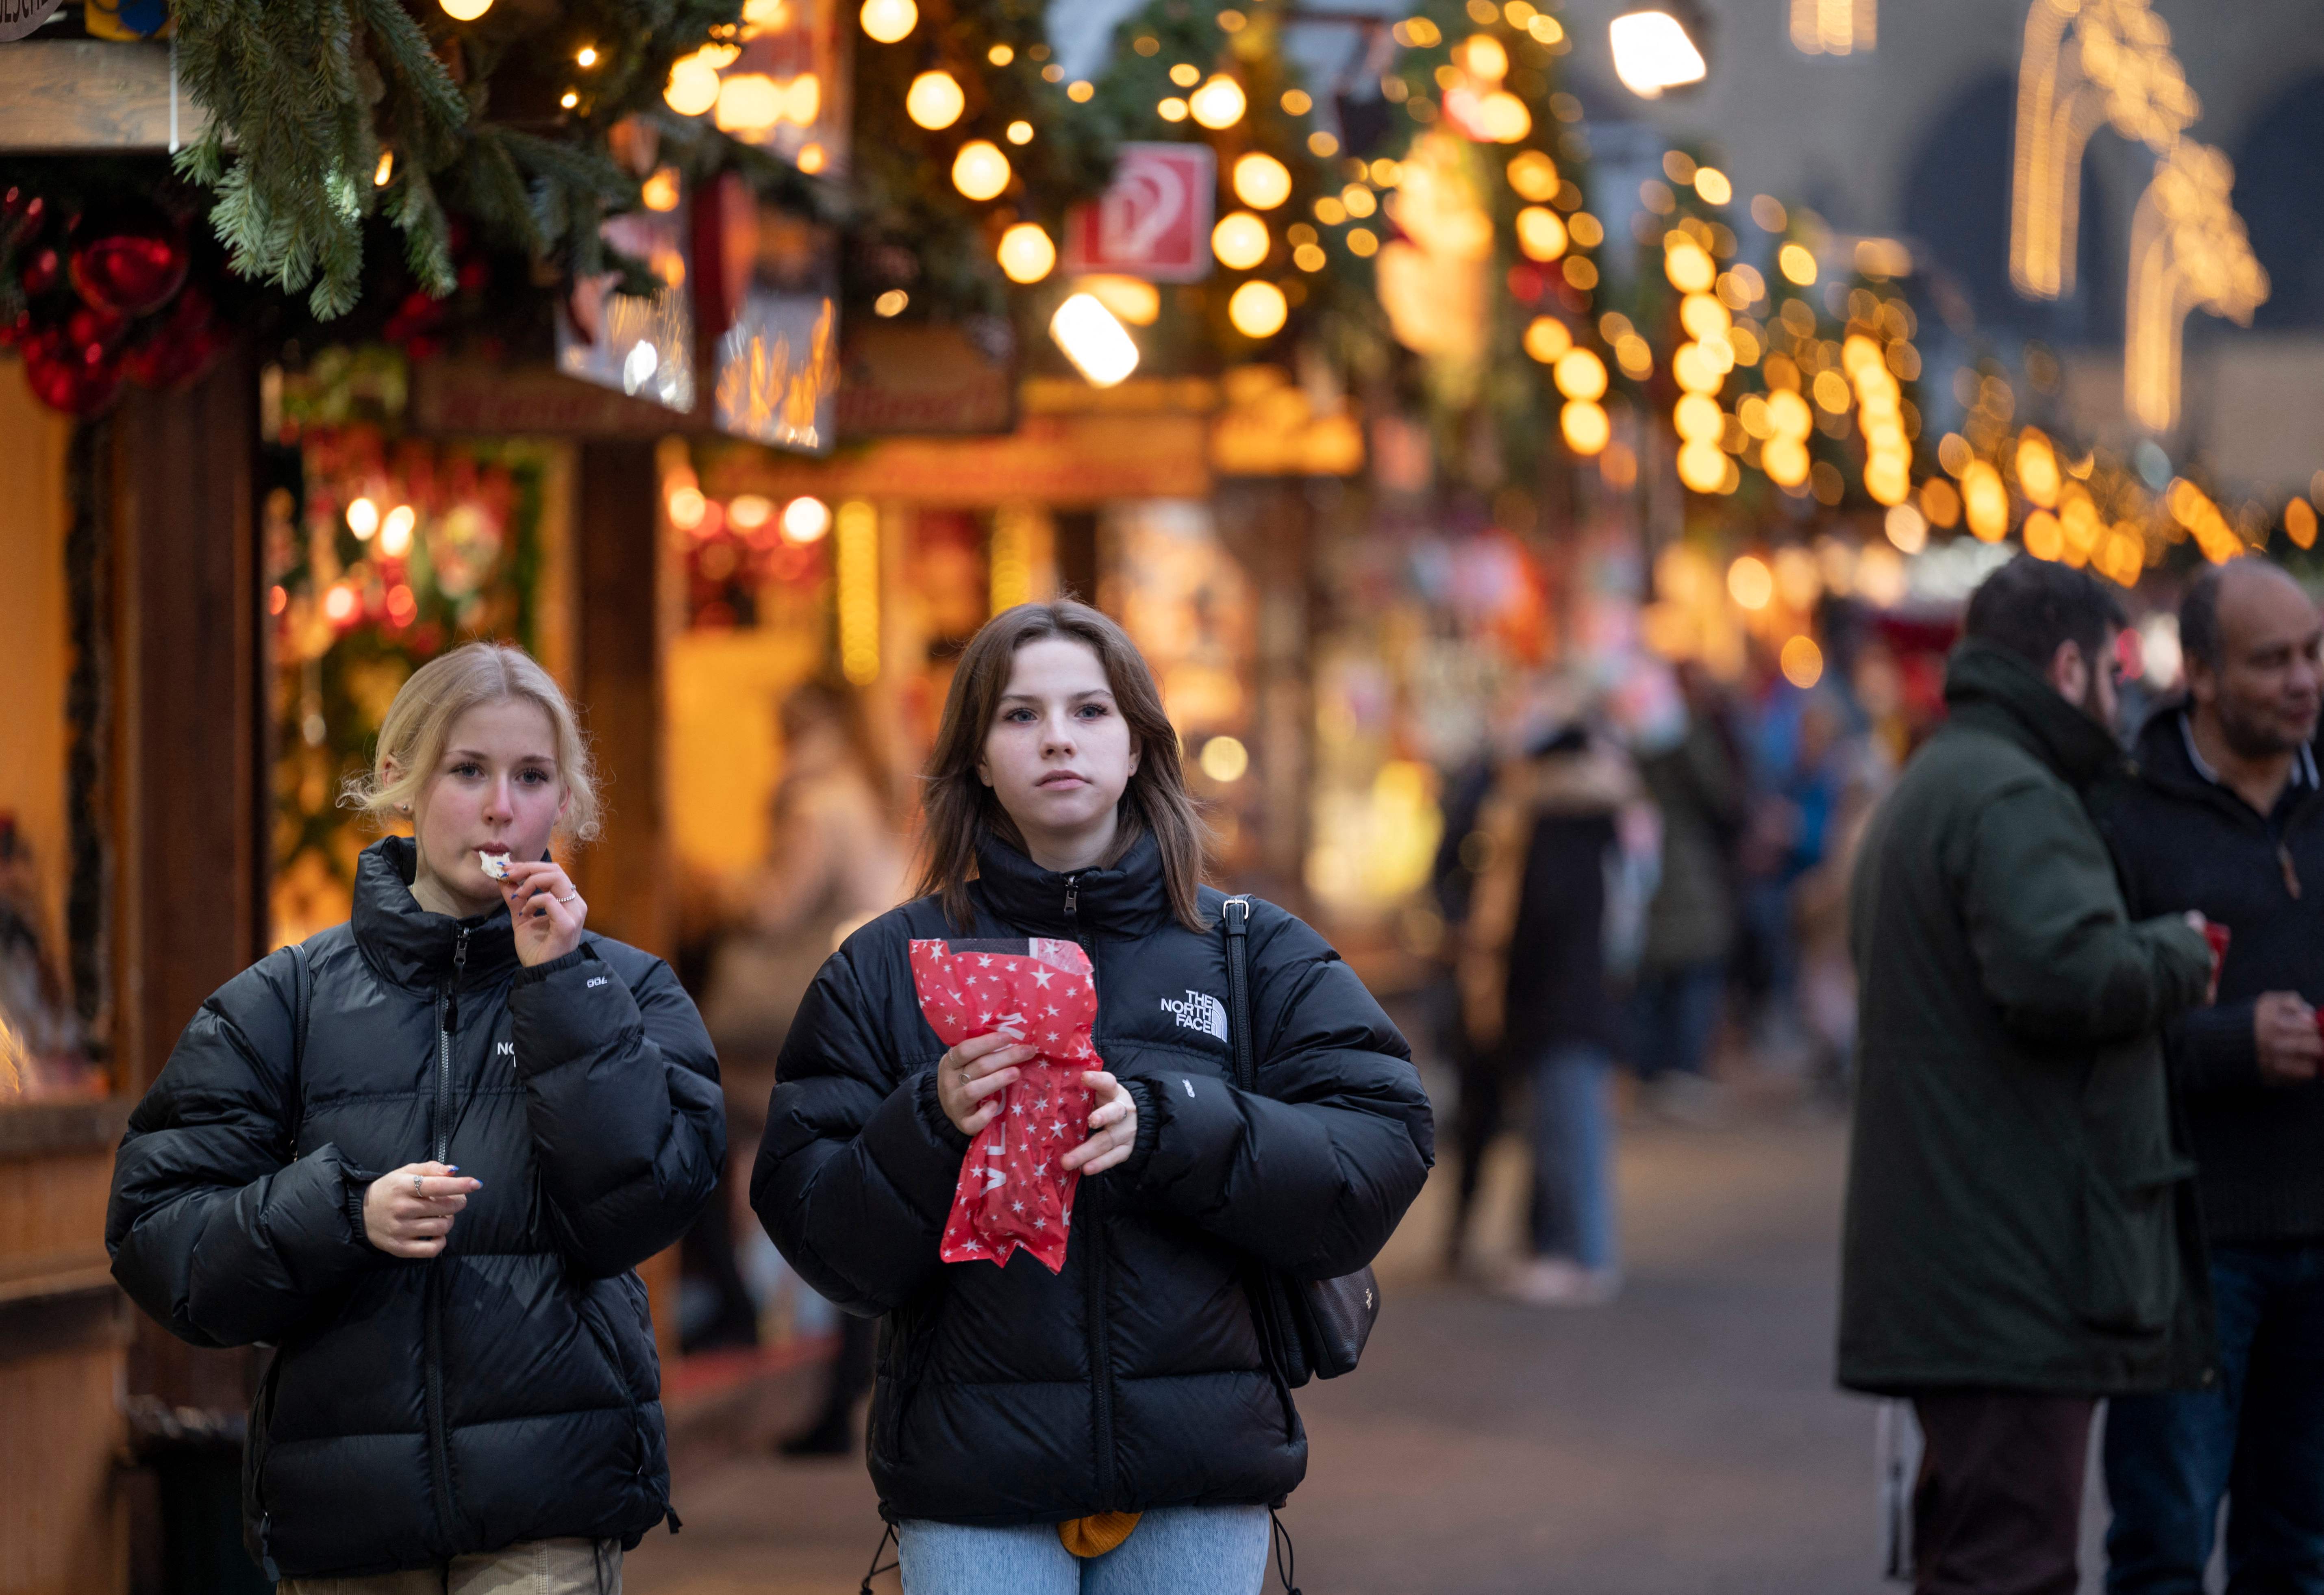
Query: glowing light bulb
{"x":395,"y":531}
{"x":1547,"y":338}
{"x":1540,"y":233}
{"x":1261,"y":182}
{"x":1020,"y":132}
{"x":362,"y":518}
{"x":1257,"y":310}
{"x":1803,"y":662}
{"x":687,"y":507}
{"x":1652,"y":53}
{"x":1585,"y":425}
{"x":806,"y":520}
{"x":661,"y":191}
{"x":1703,"y":317}
{"x":1907,"y":529}
{"x":1503,"y":118}
{"x":1798,"y":264}
{"x":1580,"y":374}
{"x":1100,"y":347}
{"x":586,"y":56}
{"x":1130,"y":299}
{"x":888,"y":20}
{"x":385,"y":172}
{"x":980,"y":171}
{"x":1224,"y":760}
{"x":1239,"y":240}
{"x":1534,"y":175}
{"x":1711,"y":184}
{"x":1701,"y":466}
{"x":1786,"y":460}
{"x":749,"y":512}
{"x":465,"y":11}
{"x":1698,"y":419}
{"x":935,"y":100}
{"x":1218,"y":103}
{"x":1750,"y":582}
{"x":1689,"y":266}
{"x":693,"y":86}
{"x":1026,"y":253}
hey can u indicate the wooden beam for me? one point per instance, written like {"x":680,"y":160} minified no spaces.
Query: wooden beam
{"x":85,"y":95}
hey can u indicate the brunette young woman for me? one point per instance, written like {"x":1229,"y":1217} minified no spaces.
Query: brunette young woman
{"x":422,"y":1155}
{"x":1115,"y":1427}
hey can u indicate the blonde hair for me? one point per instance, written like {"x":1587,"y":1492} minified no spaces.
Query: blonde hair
{"x":419,"y":722}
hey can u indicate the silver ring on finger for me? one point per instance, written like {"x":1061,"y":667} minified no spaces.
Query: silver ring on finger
{"x":568,"y":897}
{"x":415,"y":1185}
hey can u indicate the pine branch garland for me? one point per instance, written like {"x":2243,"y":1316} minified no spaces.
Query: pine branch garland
{"x":304,"y":96}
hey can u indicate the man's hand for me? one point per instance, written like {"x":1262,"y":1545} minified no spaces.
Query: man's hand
{"x":2284,"y":1028}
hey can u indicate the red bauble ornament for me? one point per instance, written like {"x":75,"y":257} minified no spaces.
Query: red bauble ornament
{"x":178,"y":347}
{"x":41,"y":272}
{"x":134,"y":272}
{"x":88,"y":327}
{"x":62,"y":378}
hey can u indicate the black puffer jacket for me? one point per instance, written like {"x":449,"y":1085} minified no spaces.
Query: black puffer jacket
{"x":507,"y":1389}
{"x":1134,"y":1378}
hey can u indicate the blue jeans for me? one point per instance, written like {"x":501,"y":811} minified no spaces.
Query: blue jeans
{"x":2256,"y":1437}
{"x":1573,"y":1157}
{"x":1672,"y":1012}
{"x":1173,"y":1551}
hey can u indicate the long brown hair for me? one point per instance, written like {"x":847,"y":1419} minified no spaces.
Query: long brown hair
{"x":962,"y":810}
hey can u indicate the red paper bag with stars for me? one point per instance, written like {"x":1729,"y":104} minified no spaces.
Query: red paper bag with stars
{"x":1013,"y":1191}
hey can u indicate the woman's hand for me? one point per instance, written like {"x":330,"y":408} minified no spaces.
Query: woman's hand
{"x":409,"y":1213}
{"x":970,"y":1077}
{"x":1113,"y":1126}
{"x":546,"y":910}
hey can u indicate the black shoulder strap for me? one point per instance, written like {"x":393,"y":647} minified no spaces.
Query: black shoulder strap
{"x":1234,"y":914}
{"x":302,"y":1004}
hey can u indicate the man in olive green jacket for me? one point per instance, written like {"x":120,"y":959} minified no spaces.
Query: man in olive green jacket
{"x":2020,"y":1236}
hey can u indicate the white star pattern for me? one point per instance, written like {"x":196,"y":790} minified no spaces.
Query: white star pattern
{"x":1046,"y":990}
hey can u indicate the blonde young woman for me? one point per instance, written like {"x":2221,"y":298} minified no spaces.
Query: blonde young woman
{"x":422,"y":1155}
{"x":1114,"y":1428}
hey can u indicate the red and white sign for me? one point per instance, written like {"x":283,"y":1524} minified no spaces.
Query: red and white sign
{"x":1154,"y":221}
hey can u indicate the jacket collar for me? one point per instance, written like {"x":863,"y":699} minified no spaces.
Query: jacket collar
{"x":2168,"y":760}
{"x":411,"y":945}
{"x":1992,"y":688}
{"x":1126,"y":898}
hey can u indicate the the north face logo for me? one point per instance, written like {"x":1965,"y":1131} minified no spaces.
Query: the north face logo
{"x":1200,"y":1011}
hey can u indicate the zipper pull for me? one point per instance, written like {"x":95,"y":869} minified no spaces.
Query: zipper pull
{"x":1073,"y":893}
{"x":459,"y":968}
{"x":2290,"y":874}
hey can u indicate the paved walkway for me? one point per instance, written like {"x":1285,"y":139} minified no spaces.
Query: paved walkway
{"x":1685,"y":1439}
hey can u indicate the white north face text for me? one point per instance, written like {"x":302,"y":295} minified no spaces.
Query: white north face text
{"x":1200,"y":1011}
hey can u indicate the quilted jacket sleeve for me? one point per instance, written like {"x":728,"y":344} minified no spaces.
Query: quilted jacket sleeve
{"x":2057,"y":951}
{"x":1311,"y":1174}
{"x":212,"y":1228}
{"x":857,"y":1170}
{"x":629,"y":1126}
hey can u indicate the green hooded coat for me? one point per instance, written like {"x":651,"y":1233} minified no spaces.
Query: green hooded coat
{"x":2019,"y":1215}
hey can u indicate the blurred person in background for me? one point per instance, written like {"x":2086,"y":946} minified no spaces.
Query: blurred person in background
{"x":1480,"y":1073}
{"x":2019,"y":1238}
{"x":1697,"y":785}
{"x":1533,"y":993}
{"x":1859,"y":772}
{"x":836,"y":861}
{"x":2223,"y":817}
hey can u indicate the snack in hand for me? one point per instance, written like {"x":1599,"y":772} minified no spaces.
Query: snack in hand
{"x":1013,"y":1190}
{"x":494,"y":864}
